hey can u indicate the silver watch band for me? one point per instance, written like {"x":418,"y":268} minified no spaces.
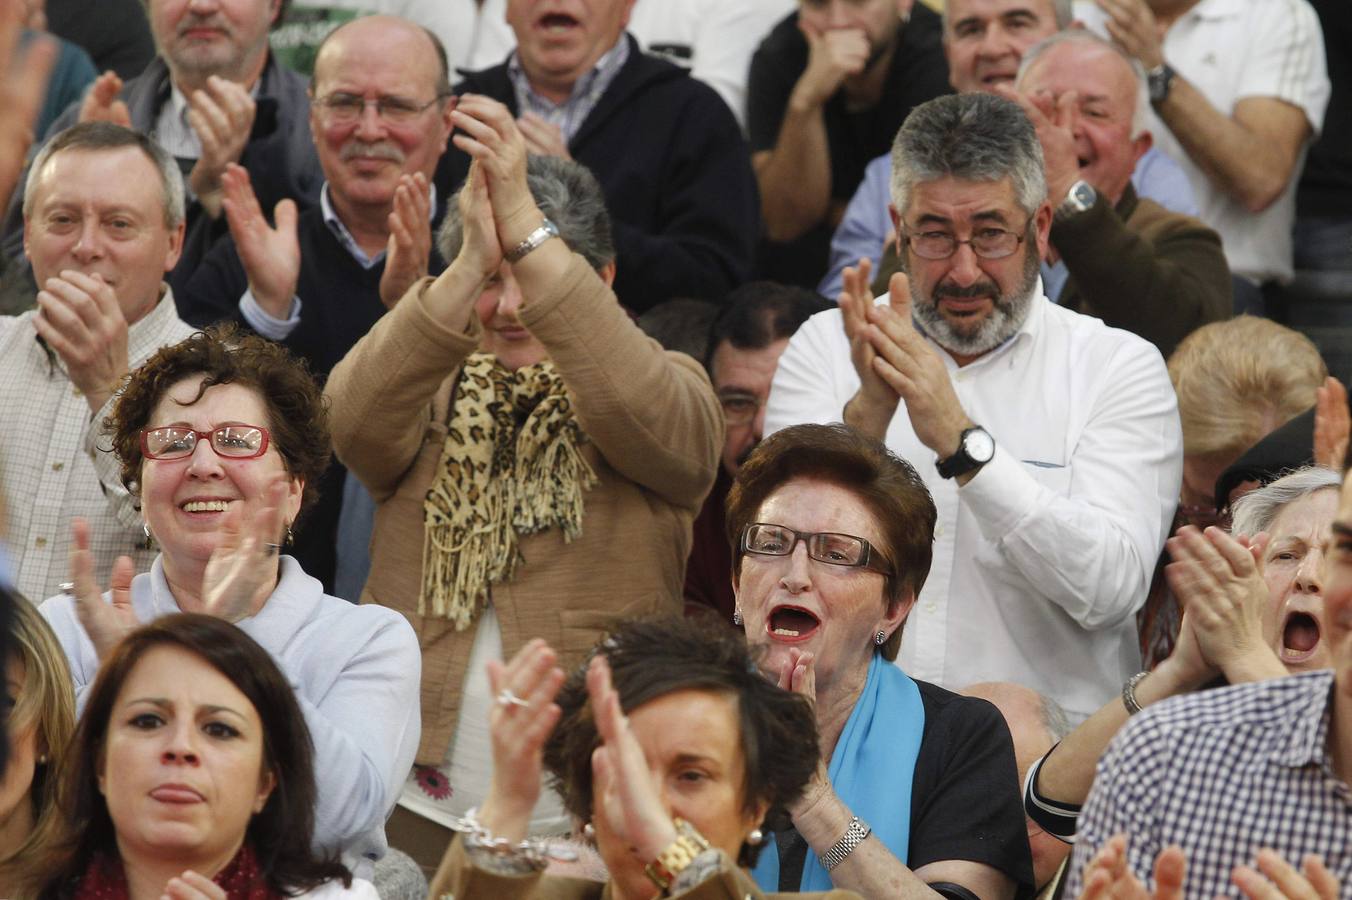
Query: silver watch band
{"x":855,"y":833}
{"x":537,"y":237}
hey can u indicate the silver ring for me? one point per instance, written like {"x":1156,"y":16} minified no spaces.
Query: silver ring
{"x":507,"y":698}
{"x":66,"y":587}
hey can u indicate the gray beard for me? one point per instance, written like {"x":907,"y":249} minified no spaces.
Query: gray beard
{"x":1007,"y":315}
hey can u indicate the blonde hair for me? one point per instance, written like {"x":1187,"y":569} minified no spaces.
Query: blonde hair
{"x":46,"y":703}
{"x":1238,"y":380}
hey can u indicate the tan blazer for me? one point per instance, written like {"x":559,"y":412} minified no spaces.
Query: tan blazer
{"x":654,"y":429}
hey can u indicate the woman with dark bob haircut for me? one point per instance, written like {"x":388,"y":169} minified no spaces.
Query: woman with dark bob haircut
{"x":222,"y":437}
{"x":191,"y":775}
{"x":916,"y":787}
{"x":669,"y":745}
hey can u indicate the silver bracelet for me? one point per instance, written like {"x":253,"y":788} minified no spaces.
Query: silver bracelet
{"x":1129,"y":693}
{"x":530,"y":855}
{"x":854,"y":835}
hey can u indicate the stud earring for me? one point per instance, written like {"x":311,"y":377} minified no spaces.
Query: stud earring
{"x":737,"y":616}
{"x":880,"y":638}
{"x":755,"y":837}
{"x":589,"y":832}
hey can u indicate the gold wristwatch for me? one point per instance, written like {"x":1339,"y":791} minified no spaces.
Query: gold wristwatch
{"x":679,"y":854}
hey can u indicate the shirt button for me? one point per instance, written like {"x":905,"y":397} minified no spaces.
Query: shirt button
{"x":938,"y":531}
{"x":40,"y":542}
{"x":75,"y":392}
{"x":58,"y":466}
{"x":931,"y":607}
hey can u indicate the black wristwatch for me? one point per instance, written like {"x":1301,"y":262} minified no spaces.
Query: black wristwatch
{"x":975,"y":448}
{"x":1159,"y":80}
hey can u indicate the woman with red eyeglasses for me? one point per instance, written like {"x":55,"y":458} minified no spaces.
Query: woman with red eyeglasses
{"x":223,"y":437}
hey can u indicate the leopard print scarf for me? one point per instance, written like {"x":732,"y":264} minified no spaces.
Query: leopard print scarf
{"x":511,"y":465}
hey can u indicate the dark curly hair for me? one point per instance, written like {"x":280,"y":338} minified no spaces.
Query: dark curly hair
{"x":885,"y":484}
{"x":651,"y":658}
{"x":298,"y":417}
{"x":280,"y":834}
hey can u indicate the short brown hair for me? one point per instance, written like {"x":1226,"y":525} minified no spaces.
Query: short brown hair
{"x":298,"y":418}
{"x":885,"y":483}
{"x":1238,"y":380}
{"x":651,"y":658}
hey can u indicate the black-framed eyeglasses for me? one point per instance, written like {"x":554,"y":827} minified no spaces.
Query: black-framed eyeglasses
{"x":234,"y":441}
{"x":830,"y":547}
{"x":342,"y":107}
{"x":987,"y":242}
{"x":739,"y":408}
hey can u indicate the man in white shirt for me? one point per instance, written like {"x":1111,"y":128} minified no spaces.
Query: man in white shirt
{"x":1051,"y":442}
{"x":103,"y":223}
{"x":1238,"y":89}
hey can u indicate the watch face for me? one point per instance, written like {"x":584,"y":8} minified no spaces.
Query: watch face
{"x":979,"y":445}
{"x":1084,"y":195}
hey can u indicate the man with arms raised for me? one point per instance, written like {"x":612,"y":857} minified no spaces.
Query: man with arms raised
{"x":214,"y":96}
{"x":666,"y":149}
{"x":1049,"y":441}
{"x":317,"y":283}
{"x":103,"y":223}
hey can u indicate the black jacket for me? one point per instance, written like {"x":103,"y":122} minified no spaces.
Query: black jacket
{"x":675,"y":173}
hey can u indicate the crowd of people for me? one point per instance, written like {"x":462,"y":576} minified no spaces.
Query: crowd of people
{"x":636,"y":448}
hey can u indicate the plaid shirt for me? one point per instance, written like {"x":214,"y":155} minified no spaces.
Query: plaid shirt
{"x":50,"y":467}
{"x":587,"y":90}
{"x":1222,"y":773}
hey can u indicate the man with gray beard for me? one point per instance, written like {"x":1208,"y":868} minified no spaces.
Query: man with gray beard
{"x":1051,"y":442}
{"x":317,"y":281}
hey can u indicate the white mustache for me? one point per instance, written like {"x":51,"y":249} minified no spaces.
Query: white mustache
{"x":377,"y":150}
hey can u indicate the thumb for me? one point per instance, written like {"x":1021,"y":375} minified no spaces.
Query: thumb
{"x":121,"y":115}
{"x":284,"y":214}
{"x":120,"y":585}
{"x":899,"y":295}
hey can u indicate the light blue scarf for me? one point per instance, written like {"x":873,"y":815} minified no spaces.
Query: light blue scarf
{"x":871,"y":770}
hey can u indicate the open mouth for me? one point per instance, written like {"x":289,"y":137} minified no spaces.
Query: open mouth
{"x":557,"y":22}
{"x":792,"y":623}
{"x":1300,"y":637}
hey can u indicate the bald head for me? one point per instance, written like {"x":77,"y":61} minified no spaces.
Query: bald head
{"x":1035,"y":722}
{"x":384,"y":29}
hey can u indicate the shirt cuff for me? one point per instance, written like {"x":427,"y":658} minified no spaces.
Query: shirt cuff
{"x":1001,"y":495}
{"x":267,"y":325}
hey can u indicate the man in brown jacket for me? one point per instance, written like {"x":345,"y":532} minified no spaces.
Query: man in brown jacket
{"x":536,"y":460}
{"x":1114,"y":255}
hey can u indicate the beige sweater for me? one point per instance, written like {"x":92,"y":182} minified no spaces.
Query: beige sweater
{"x":655,"y":430}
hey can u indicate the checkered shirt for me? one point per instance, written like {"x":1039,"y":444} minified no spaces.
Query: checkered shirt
{"x":1222,"y":773}
{"x":50,"y":468}
{"x":587,"y":90}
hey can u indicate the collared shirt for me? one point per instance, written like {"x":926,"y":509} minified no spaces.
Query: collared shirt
{"x":1221,"y":773}
{"x":587,"y":90}
{"x":1231,"y":50}
{"x":1042,"y":559}
{"x":276,"y":329}
{"x":55,"y":462}
{"x":172,"y":130}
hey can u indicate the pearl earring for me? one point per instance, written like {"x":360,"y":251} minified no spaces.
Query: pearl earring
{"x":589,"y":832}
{"x":755,"y":837}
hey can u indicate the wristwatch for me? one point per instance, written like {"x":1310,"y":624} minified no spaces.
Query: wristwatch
{"x":975,"y":448}
{"x":1159,"y":80}
{"x":1080,"y":198}
{"x":679,"y":854}
{"x":537,"y":237}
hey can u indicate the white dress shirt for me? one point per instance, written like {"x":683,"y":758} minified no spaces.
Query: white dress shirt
{"x":1043,"y":558}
